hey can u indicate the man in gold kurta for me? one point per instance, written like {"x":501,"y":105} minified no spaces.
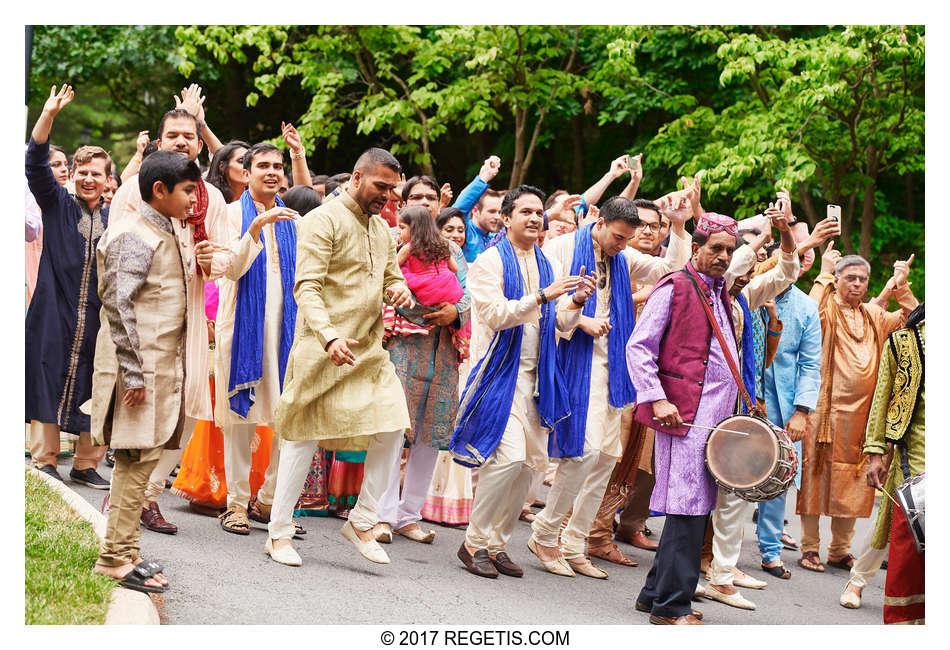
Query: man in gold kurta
{"x":340,"y":388}
{"x":852,"y":334}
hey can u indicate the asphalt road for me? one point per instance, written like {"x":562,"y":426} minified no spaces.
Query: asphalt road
{"x":221,"y":578}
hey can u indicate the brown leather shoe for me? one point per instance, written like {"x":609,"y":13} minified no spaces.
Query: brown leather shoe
{"x":640,"y":607}
{"x":689,"y":619}
{"x":479,"y":563}
{"x":638,"y":539}
{"x":153,"y":520}
{"x":503,"y":563}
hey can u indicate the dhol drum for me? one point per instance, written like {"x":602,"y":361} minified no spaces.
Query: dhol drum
{"x":757,"y":466}
{"x":910,"y":497}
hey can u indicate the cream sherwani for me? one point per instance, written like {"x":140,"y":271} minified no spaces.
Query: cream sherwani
{"x":731,"y":511}
{"x":504,"y":478}
{"x":581,"y":485}
{"x":240,"y":436}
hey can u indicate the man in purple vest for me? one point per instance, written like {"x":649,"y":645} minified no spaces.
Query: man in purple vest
{"x":684,"y":385}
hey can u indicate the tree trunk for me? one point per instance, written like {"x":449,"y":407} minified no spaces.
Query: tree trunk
{"x":517,"y":164}
{"x":577,"y":138}
{"x":805,"y":199}
{"x":867,"y":212}
{"x":909,"y":195}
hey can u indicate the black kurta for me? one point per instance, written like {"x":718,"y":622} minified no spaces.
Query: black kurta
{"x":63,"y":319}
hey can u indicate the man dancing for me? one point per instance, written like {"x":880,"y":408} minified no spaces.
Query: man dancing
{"x":516,"y":393}
{"x":595,"y":351}
{"x":340,"y":389}
{"x":676,"y":364}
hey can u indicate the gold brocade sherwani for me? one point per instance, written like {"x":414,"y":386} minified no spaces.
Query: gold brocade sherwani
{"x":833,"y":480}
{"x":141,"y":340}
{"x":346,"y":259}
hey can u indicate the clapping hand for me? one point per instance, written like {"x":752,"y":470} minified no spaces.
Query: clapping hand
{"x":57,"y":101}
{"x":192,"y":101}
{"x":778,"y":216}
{"x":141,"y":142}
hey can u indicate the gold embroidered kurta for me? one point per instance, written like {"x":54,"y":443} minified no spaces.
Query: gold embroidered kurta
{"x":833,"y":480}
{"x":346,"y":259}
{"x":891,"y":404}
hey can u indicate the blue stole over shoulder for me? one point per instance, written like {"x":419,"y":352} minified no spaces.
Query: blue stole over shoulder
{"x":247,"y":346}
{"x":489,"y":392}
{"x":748,"y":351}
{"x":576,"y":353}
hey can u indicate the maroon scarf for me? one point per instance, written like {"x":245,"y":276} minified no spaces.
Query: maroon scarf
{"x":197,"y":218}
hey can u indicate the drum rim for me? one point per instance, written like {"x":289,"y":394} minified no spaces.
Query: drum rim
{"x":775,"y":450}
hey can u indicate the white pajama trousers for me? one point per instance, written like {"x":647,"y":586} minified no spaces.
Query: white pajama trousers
{"x":501,"y":491}
{"x":868,"y":562}
{"x":398,"y":511}
{"x":296,"y":457}
{"x":168,"y":461}
{"x":238,"y":440}
{"x":579,"y":485}
{"x":728,"y":520}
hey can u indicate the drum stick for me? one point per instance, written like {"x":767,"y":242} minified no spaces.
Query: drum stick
{"x":699,"y":426}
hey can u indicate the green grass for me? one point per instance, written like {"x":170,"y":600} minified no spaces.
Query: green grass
{"x":61,"y":549}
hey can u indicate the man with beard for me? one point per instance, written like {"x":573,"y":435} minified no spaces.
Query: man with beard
{"x":340,"y":388}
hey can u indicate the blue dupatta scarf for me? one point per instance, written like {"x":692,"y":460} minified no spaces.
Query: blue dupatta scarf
{"x":576,"y":353}
{"x":247,"y":347}
{"x":748,"y":351}
{"x":489,"y":392}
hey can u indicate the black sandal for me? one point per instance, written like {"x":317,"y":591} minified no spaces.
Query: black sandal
{"x":135,"y":579}
{"x":845,"y":562}
{"x":778,"y":571}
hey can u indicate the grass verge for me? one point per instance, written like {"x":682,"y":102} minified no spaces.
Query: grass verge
{"x":61,"y":548}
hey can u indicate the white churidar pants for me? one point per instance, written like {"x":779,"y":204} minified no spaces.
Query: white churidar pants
{"x":728,"y":520}
{"x":401,"y":511}
{"x":238,"y":439}
{"x":296,"y":457}
{"x":168,"y":461}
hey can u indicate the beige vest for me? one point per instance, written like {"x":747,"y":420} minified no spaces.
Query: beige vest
{"x":161,"y":324}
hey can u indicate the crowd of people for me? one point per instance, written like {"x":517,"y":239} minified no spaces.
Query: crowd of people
{"x":275,"y":346}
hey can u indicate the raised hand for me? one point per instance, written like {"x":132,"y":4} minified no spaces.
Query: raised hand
{"x":778,"y":216}
{"x":397,"y":191}
{"x":292,"y":138}
{"x":141,"y":142}
{"x":277,"y":213}
{"x":58,"y":100}
{"x":587,"y":286}
{"x":445,"y":195}
{"x":619,"y":166}
{"x":490,"y":168}
{"x":192,"y":101}
{"x":785,"y":204}
{"x":561,"y":286}
{"x":829,"y":258}
{"x":901,"y":271}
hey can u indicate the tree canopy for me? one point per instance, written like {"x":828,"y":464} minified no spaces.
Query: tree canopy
{"x":833,"y":113}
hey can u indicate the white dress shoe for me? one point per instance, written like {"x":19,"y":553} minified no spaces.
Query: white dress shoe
{"x":383,"y":533}
{"x":741,"y":579}
{"x":371,"y":550}
{"x":734,"y":600}
{"x":850,"y":599}
{"x":585,"y":567}
{"x":416,"y":534}
{"x":283,"y":555}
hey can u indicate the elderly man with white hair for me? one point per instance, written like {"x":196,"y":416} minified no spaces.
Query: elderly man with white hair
{"x":853,"y":333}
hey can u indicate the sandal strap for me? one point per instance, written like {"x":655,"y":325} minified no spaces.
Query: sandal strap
{"x":234,"y":517}
{"x":148,"y":568}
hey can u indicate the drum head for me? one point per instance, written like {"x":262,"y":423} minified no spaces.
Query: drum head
{"x":742,"y":461}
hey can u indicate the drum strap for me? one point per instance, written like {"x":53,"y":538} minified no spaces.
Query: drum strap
{"x":905,"y":462}
{"x":706,"y":301}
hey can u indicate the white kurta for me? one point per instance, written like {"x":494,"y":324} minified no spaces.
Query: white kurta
{"x":244,"y":251}
{"x":524,"y":439}
{"x":126,"y":203}
{"x":603,"y":420}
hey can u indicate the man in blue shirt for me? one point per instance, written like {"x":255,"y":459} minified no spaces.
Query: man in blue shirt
{"x":482,"y":209}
